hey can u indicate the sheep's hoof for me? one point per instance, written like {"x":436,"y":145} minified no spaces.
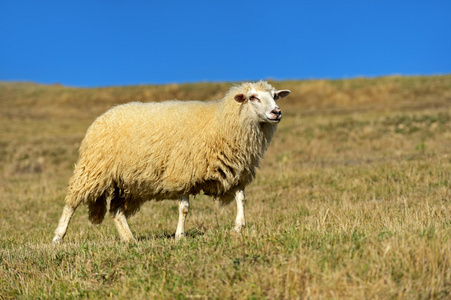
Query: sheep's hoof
{"x":238,"y":228}
{"x":129,"y":240}
{"x":179,"y":237}
{"x":57,"y":240}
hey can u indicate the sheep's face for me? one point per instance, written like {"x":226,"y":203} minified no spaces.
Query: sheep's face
{"x":263,"y":104}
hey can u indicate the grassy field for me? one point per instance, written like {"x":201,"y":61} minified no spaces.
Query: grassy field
{"x":352,"y":200}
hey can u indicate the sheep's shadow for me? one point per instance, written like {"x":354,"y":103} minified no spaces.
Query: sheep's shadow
{"x":191,"y":233}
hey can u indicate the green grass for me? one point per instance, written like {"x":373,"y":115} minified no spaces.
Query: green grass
{"x":352,"y":201}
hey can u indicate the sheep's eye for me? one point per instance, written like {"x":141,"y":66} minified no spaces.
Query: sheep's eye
{"x":253,"y":98}
{"x":276,"y":97}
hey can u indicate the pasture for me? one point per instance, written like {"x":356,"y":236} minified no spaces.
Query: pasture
{"x":352,"y":200}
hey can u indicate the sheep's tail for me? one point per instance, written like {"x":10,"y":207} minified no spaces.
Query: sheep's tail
{"x":84,"y":187}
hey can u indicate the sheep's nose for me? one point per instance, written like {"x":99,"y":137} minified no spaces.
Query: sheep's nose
{"x":276,"y":112}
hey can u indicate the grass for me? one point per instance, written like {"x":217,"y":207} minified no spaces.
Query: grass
{"x":352,"y":200}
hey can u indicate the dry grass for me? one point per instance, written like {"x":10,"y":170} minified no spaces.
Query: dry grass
{"x":352,"y":200}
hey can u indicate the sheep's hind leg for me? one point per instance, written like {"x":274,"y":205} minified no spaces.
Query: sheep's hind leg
{"x":183,"y":212}
{"x":122,"y":226}
{"x":63,"y":223}
{"x":240,"y":221}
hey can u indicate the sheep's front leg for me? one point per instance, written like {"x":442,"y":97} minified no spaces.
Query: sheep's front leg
{"x":183,"y":212}
{"x":122,"y":226}
{"x":240,"y":221}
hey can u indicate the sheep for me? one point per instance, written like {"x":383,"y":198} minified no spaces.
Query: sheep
{"x":138,"y":152}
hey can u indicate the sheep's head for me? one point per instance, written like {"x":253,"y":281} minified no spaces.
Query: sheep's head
{"x":263,"y":103}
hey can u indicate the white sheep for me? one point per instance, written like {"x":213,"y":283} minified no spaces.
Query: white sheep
{"x":170,"y":150}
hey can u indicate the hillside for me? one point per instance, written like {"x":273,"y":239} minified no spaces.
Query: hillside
{"x":352,"y":200}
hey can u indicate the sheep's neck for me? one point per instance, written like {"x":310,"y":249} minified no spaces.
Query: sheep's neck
{"x":246,"y":135}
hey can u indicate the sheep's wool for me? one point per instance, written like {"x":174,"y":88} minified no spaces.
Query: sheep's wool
{"x":153,"y":151}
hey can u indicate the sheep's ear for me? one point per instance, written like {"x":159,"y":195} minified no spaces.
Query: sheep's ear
{"x":240,"y":98}
{"x":282,"y":94}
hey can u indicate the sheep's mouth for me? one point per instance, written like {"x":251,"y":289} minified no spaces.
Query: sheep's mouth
{"x":275,"y":120}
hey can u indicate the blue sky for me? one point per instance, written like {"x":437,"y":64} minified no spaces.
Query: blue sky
{"x":104,"y":43}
